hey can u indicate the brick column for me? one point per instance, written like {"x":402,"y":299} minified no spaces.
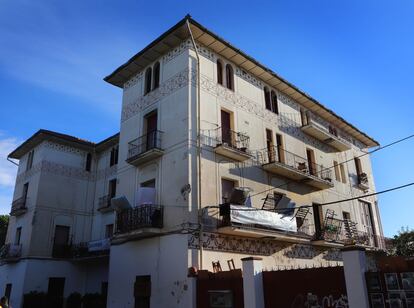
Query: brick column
{"x":253,"y":282}
{"x":354,"y":268}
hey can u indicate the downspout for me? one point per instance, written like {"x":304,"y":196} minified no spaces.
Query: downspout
{"x":199,"y":214}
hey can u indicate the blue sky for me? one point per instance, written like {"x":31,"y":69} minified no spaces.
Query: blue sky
{"x":356,"y":57}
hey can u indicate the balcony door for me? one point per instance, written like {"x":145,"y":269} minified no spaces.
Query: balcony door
{"x":368,"y":221}
{"x":226,"y":127}
{"x":270,"y":146}
{"x":151,"y":130}
{"x":55,"y":291}
{"x":61,"y":241}
{"x":280,"y":151}
{"x":311,"y":161}
{"x":317,"y":217}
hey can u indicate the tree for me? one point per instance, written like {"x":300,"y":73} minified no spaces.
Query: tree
{"x":403,"y":243}
{"x":4,"y":222}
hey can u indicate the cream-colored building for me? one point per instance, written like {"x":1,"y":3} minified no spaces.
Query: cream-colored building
{"x":202,"y":124}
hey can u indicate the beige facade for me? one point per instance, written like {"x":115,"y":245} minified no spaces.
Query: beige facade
{"x":197,"y":121}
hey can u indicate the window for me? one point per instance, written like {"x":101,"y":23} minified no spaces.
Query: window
{"x":56,"y":289}
{"x":88,"y":163}
{"x":114,"y":156}
{"x":343,"y":174}
{"x":229,"y":77}
{"x":219,"y":72}
{"x":337,"y":173}
{"x":311,"y":161}
{"x":156,"y":82}
{"x":109,"y":230}
{"x":279,"y":147}
{"x":142,"y":291}
{"x":7,"y":292}
{"x":148,"y":78}
{"x":227,"y":187}
{"x":30,"y":160}
{"x":346,"y":215}
{"x":226,"y":132}
{"x":267,"y":98}
{"x":61,"y":235}
{"x":358,"y":166}
{"x":318,"y":219}
{"x":150,"y":183}
{"x":275,"y":107}
{"x":112,"y":188}
{"x":269,"y":145}
{"x":25,"y":190}
{"x":304,"y":117}
{"x":18,"y":236}
{"x":333,"y":131}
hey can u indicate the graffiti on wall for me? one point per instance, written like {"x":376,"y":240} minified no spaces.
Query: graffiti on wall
{"x":314,"y":301}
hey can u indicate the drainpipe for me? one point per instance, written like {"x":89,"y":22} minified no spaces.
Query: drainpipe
{"x":199,"y":214}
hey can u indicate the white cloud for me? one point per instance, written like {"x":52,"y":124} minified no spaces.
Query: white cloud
{"x":7,"y":169}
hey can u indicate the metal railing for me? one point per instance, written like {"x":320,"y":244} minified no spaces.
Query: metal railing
{"x":310,"y":119}
{"x":104,"y":202}
{"x":144,"y":216}
{"x":18,"y":204}
{"x":62,"y":251}
{"x":277,"y":154}
{"x":362,"y":179}
{"x":149,"y":141}
{"x":11,"y":251}
{"x":84,"y":249}
{"x":232,"y":139}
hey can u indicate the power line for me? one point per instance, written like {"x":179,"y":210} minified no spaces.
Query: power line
{"x":341,"y":163}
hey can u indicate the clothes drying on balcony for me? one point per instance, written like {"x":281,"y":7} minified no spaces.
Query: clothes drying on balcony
{"x":145,"y":195}
{"x":99,"y":245}
{"x":247,"y":216}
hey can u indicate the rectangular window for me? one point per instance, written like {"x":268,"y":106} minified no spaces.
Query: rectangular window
{"x":227,"y":187}
{"x":150,"y":183}
{"x":142,"y":291}
{"x":109,"y":230}
{"x":25,"y":190}
{"x":346,"y":215}
{"x":358,"y":166}
{"x":88,"y":163}
{"x":30,"y":160}
{"x":269,"y":144}
{"x":280,"y":151}
{"x":112,"y":188}
{"x":18,"y":236}
{"x":311,"y":161}
{"x":114,"y":156}
{"x":343,"y":173}
{"x":7,"y":292}
{"x":337,"y":172}
{"x":318,"y":218}
{"x":304,"y":117}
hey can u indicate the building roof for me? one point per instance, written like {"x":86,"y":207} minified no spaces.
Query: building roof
{"x":179,"y":32}
{"x":43,"y":134}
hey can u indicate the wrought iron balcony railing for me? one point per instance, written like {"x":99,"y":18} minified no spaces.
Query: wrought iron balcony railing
{"x":11,"y":251}
{"x":363,"y":180}
{"x":139,"y":217}
{"x":233,"y":139}
{"x":18,"y":207}
{"x":98,"y":248}
{"x":62,"y":251}
{"x":145,"y":143}
{"x":277,"y":154}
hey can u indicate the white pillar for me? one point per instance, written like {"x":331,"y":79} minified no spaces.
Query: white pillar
{"x":253,"y":282}
{"x":354,"y":268}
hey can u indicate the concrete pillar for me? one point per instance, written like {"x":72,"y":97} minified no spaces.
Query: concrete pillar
{"x":253,"y":282}
{"x":354,"y":268}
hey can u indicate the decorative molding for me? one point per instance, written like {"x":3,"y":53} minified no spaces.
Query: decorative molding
{"x":280,"y":251}
{"x":133,"y":81}
{"x":249,"y":78}
{"x":56,"y":169}
{"x":63,"y":148}
{"x":170,"y":86}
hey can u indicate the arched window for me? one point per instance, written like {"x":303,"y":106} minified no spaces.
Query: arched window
{"x":229,"y":77}
{"x":267,"y":98}
{"x":275,"y":107}
{"x":148,"y":74}
{"x":219,"y":72}
{"x":156,"y":75}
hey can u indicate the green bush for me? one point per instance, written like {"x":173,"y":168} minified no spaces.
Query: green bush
{"x":35,"y":299}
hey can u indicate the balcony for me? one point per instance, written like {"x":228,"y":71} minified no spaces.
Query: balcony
{"x":139,"y":222}
{"x":281,"y":162}
{"x":104,"y":204}
{"x":258,"y":223}
{"x":145,"y":148}
{"x":18,"y":207}
{"x":91,"y":250}
{"x":362,"y":181}
{"x":62,"y":251}
{"x":328,"y":135}
{"x":11,"y":252}
{"x":231,"y":144}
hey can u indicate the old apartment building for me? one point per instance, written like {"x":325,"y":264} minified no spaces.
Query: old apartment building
{"x":218,"y":158}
